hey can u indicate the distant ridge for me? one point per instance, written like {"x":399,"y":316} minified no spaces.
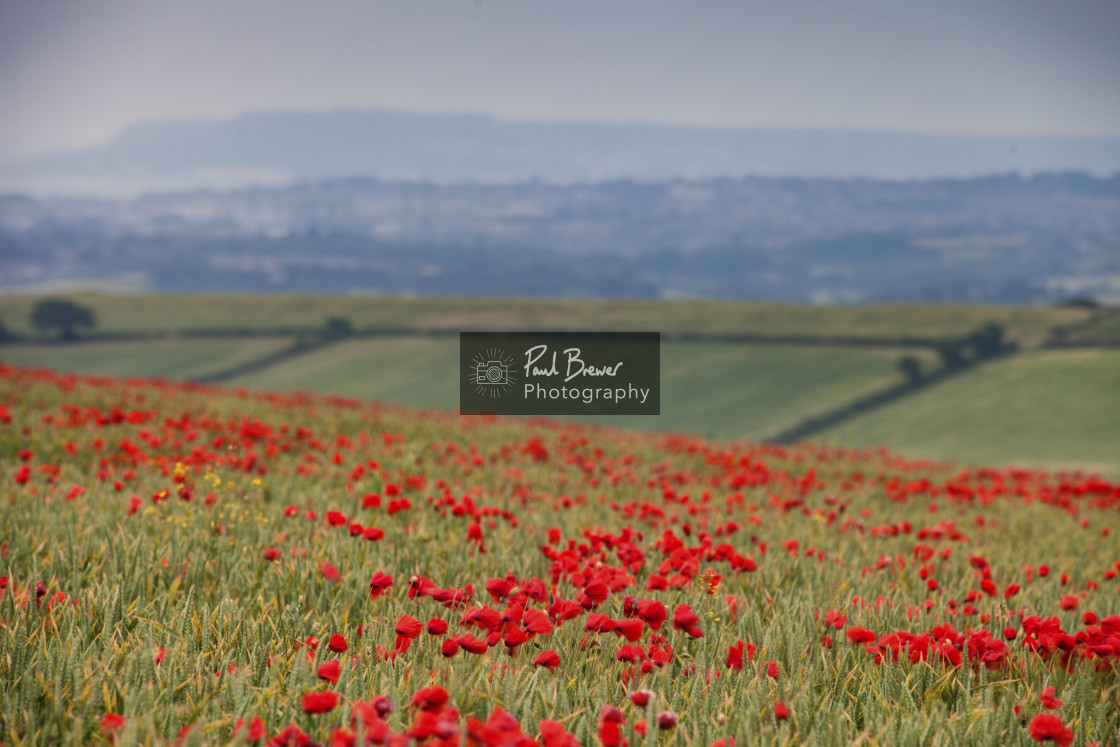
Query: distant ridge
{"x":284,"y":146}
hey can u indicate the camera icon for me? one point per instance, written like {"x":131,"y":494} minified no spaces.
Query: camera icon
{"x":494,"y":373}
{"x":490,"y":373}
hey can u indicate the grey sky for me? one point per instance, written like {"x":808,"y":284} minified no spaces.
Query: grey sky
{"x":72,"y":73}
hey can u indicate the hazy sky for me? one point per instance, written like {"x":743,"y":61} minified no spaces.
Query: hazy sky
{"x":73,"y":72}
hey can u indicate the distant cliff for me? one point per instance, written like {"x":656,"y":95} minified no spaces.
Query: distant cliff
{"x":279,"y":147}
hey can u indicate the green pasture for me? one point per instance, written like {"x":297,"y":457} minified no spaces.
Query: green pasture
{"x":140,"y":314}
{"x":730,"y":390}
{"x":1057,"y":407}
{"x":176,"y":359}
{"x":1046,"y":407}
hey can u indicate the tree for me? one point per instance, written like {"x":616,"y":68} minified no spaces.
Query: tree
{"x":339,"y":327}
{"x":60,"y":314}
{"x":952,"y":354}
{"x":987,"y":340}
{"x":911,"y":367}
{"x":1080,"y":302}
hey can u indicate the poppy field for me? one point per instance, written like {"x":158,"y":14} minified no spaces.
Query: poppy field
{"x":193,"y":565}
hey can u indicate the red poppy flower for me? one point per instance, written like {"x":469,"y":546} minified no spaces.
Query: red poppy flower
{"x":1048,"y":727}
{"x":631,"y":629}
{"x":609,"y":733}
{"x":486,"y":618}
{"x":256,"y":729}
{"x":857,"y":634}
{"x":379,"y":583}
{"x":553,"y":734}
{"x":610,"y":714}
{"x":685,"y":619}
{"x":772,"y":670}
{"x":382,"y":705}
{"x":652,"y":612}
{"x":630,"y":653}
{"x":337,"y":644}
{"x":407,"y":629}
{"x":330,"y":671}
{"x":498,"y":588}
{"x":562,"y":610}
{"x":470,"y":644}
{"x":320,"y":702}
{"x":111,"y":724}
{"x":781,"y":712}
{"x":1048,"y":700}
{"x":436,"y":626}
{"x":23,"y":474}
{"x":734,"y":658}
{"x":514,"y":613}
{"x":292,"y":735}
{"x":408,"y":626}
{"x":667,"y":720}
{"x":271,"y":554}
{"x":597,"y":622}
{"x":537,"y":622}
{"x":430,"y":699}
{"x":595,"y":593}
{"x":642,"y":698}
{"x":548,"y":659}
{"x":514,"y":637}
{"x":329,"y":572}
